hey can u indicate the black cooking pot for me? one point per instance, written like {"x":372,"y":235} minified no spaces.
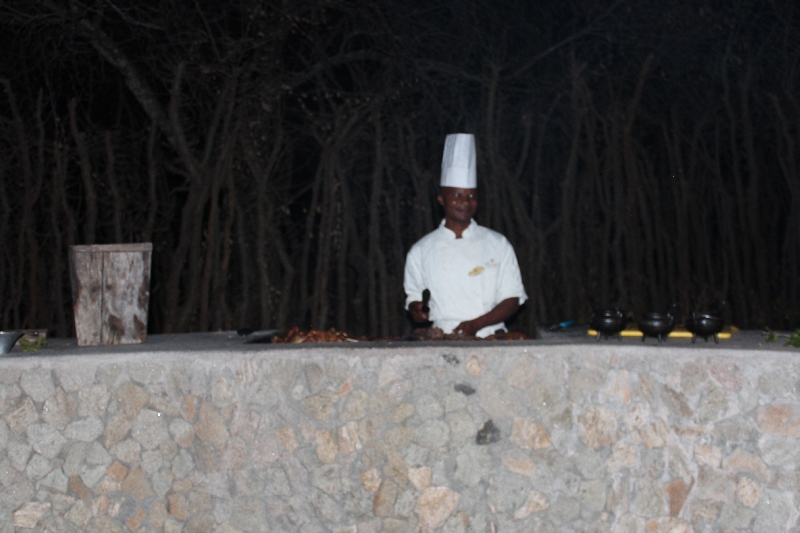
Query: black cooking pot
{"x":656,"y":325}
{"x":608,"y":322}
{"x":705,"y":325}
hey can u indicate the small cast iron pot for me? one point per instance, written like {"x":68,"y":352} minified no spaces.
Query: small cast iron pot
{"x":656,"y":325}
{"x":704,"y":325}
{"x":608,"y":322}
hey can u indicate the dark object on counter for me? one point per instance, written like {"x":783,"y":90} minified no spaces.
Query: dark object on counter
{"x":426,"y":297}
{"x":608,"y":322}
{"x":657,"y":325}
{"x":704,"y":325}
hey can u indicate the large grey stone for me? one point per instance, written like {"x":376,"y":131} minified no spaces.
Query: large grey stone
{"x":4,"y":434}
{"x":428,"y":407}
{"x":75,"y":377}
{"x":38,"y":384}
{"x":93,"y":400}
{"x":781,"y":452}
{"x":738,"y":517}
{"x":473,"y":465}
{"x":149,"y":429}
{"x":38,"y":467}
{"x":776,"y":511}
{"x":46,"y":440}
{"x":55,"y":481}
{"x":432,"y":434}
{"x":85,"y":430}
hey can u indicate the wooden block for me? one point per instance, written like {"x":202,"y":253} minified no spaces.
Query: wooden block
{"x":111,"y":292}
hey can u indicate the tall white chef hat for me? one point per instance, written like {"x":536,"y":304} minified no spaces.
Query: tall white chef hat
{"x":458,"y":162}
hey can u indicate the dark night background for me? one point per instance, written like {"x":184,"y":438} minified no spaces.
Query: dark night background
{"x":283,"y":156}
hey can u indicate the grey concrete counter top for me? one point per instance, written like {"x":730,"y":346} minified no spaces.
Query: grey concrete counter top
{"x":230,"y":341}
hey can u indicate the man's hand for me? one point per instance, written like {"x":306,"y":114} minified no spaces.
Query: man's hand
{"x":468,"y":328}
{"x":502,"y":311}
{"x":417,"y":314}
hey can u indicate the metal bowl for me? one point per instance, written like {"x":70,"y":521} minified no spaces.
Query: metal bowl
{"x":656,"y":325}
{"x":8,"y":339}
{"x":608,"y":322}
{"x":705,"y":325}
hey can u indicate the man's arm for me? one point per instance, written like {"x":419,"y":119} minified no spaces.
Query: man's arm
{"x":501,"y":312}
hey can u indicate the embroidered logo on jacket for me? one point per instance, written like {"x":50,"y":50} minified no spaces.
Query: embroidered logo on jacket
{"x":491,"y":263}
{"x":476,"y":271}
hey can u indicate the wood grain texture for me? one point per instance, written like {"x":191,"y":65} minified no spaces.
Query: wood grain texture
{"x":111,"y":293}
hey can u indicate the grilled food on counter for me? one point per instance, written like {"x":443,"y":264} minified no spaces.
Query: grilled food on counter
{"x":295,"y":336}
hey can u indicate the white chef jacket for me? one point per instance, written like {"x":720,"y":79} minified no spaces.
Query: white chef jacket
{"x":467,"y":277}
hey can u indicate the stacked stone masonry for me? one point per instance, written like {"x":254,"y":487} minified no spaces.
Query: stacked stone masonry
{"x":508,"y":438}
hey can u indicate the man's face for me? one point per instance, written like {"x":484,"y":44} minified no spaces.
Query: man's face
{"x":459,"y":204}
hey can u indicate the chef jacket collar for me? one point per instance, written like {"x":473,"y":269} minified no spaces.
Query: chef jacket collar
{"x":467,"y":233}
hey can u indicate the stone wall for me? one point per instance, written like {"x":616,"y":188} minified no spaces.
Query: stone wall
{"x":600,"y":438}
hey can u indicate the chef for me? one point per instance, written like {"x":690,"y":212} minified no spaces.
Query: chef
{"x":471,"y":271}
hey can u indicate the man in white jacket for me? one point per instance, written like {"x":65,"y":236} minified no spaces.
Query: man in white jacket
{"x":471,"y":271}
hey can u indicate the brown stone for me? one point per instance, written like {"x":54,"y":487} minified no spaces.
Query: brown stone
{"x":158,"y":515}
{"x":22,"y":415}
{"x":535,"y":503}
{"x":176,"y":504}
{"x":703,"y":512}
{"x":285,"y":436}
{"x":475,"y":365}
{"x":190,"y":405}
{"x":622,"y":456}
{"x":598,"y":427}
{"x":400,"y":413}
{"x":346,"y":388}
{"x":739,"y":462}
{"x":748,"y":492}
{"x":100,"y":505}
{"x":420,"y":477}
{"x":117,"y":471}
{"x":677,"y":492}
{"x":181,"y":486}
{"x":707,"y":455}
{"x":320,"y":406}
{"x":348,"y":438}
{"x":116,"y":429}
{"x":728,"y":374}
{"x":78,"y":488}
{"x":656,"y":435}
{"x":371,"y":479}
{"x":619,"y":387}
{"x":136,"y":520}
{"x":520,"y":465}
{"x":131,"y":398}
{"x":29,"y":514}
{"x":210,"y":426}
{"x":235,"y":455}
{"x":326,"y":446}
{"x":399,"y":437}
{"x":396,"y":468}
{"x":135,"y":484}
{"x":383,"y":502}
{"x":714,"y":484}
{"x":780,"y":419}
{"x":435,"y":505}
{"x":106,"y":486}
{"x":529,"y":435}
